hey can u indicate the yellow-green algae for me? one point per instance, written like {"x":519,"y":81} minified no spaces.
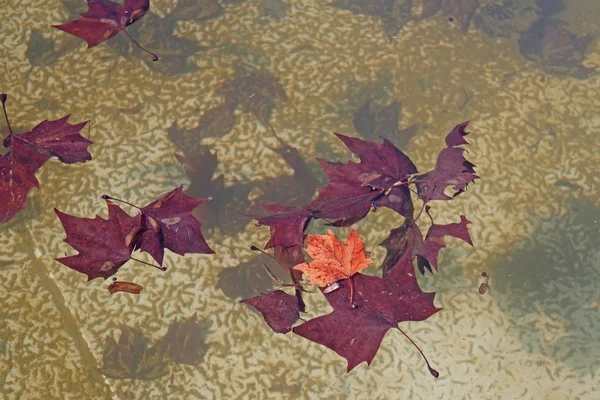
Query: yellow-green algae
{"x":529,"y":129}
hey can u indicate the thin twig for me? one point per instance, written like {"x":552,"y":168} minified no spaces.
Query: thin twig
{"x":152,"y":265}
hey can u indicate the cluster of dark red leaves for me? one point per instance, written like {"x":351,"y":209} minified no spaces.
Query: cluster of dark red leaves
{"x":104,"y":245}
{"x":29,"y":151}
{"x":382,"y":178}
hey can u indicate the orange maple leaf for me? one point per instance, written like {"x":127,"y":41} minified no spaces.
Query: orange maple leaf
{"x":333,"y":260}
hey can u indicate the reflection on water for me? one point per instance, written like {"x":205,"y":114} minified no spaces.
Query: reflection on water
{"x":407,"y":70}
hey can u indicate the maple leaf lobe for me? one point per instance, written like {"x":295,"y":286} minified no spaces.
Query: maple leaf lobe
{"x":168,"y":223}
{"x":287,"y":224}
{"x":434,"y":241}
{"x":60,"y":138}
{"x":451,"y":169}
{"x":279,"y":309}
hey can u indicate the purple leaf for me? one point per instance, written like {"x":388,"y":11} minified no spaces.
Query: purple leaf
{"x":279,"y":309}
{"x":434,"y":241}
{"x":168,"y":223}
{"x":451,"y":169}
{"x":104,"y":245}
{"x":287,"y":225}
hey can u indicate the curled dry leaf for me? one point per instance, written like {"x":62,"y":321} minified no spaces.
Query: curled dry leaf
{"x":126,"y":287}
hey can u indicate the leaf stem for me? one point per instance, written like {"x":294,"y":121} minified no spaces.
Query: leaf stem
{"x":280,"y":282}
{"x":3,"y":98}
{"x":154,"y":56}
{"x":400,"y":183}
{"x":420,"y":212}
{"x":107,"y":197}
{"x":254,"y":248}
{"x":431,"y":370}
{"x":152,"y":265}
{"x":427,"y":208}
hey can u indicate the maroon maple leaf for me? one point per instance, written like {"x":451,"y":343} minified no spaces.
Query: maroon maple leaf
{"x":434,"y":241}
{"x":287,"y":225}
{"x":105,"y":19}
{"x":104,"y":245}
{"x":355,"y":330}
{"x":29,"y":151}
{"x":451,"y":169}
{"x":343,"y":199}
{"x":380,"y":179}
{"x":279,"y":309}
{"x":405,"y":237}
{"x":168,"y":223}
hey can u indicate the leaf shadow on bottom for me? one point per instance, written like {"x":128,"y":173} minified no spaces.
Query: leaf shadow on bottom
{"x":549,"y":286}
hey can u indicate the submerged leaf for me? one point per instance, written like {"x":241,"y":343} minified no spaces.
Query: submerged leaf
{"x":279,"y":309}
{"x":185,"y":341}
{"x":131,"y":358}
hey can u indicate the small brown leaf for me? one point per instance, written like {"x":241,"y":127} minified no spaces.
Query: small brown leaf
{"x":127,"y":287}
